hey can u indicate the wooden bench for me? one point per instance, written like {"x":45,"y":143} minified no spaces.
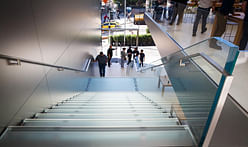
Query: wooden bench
{"x":177,"y":109}
{"x":165,"y":83}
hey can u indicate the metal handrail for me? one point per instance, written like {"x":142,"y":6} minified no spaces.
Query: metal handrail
{"x":204,"y":56}
{"x":209,"y":60}
{"x":143,"y":69}
{"x":17,"y":61}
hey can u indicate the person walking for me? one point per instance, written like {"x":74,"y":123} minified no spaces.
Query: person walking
{"x":123,"y":57}
{"x":158,"y":10}
{"x":178,"y":9}
{"x":129,"y":55}
{"x":244,"y":38}
{"x":170,"y":10}
{"x":136,"y":55}
{"x":102,"y":61}
{"x":202,"y":12}
{"x":142,"y":58}
{"x":165,"y":9}
{"x":110,"y":54}
{"x":221,"y":19}
{"x":105,"y":18}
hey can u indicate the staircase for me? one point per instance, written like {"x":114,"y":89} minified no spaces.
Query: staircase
{"x":111,"y":112}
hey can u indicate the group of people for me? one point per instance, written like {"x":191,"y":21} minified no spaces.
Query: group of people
{"x":103,"y":60}
{"x":177,"y":8}
{"x":138,"y":57}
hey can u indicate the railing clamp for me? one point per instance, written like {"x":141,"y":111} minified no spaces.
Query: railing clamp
{"x":13,"y":62}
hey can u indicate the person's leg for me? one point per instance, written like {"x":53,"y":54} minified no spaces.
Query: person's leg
{"x":129,"y":59}
{"x":109,"y":61}
{"x":219,"y":30}
{"x":103,"y":70}
{"x":181,"y":8}
{"x":197,"y":20}
{"x":100,"y":70}
{"x":170,"y":11}
{"x":174,"y":14}
{"x":205,"y":14}
{"x":137,"y":60}
{"x":122,"y":62}
{"x":221,"y":25}
{"x":244,"y":38}
{"x":165,"y":9}
{"x":141,"y":62}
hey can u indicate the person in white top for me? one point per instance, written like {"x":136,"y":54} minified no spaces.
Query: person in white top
{"x":203,"y":9}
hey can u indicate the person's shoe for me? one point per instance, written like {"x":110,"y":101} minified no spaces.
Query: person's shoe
{"x":193,"y":35}
{"x":203,"y":31}
{"x":170,"y":23}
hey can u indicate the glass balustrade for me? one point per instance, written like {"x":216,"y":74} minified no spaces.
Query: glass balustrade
{"x":191,"y":81}
{"x":197,"y":75}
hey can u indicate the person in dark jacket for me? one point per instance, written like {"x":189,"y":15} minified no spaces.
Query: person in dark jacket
{"x":142,"y":58}
{"x":158,"y":10}
{"x":178,"y":9}
{"x":221,"y":18}
{"x":102,"y":61}
{"x":110,"y":54}
{"x":129,"y":55}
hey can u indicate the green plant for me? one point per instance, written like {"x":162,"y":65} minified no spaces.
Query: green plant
{"x":147,"y":31}
{"x":144,"y":40}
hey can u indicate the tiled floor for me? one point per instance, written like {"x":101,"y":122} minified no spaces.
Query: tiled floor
{"x":183,"y":33}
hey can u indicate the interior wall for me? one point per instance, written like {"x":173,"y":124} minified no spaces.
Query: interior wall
{"x":61,"y":32}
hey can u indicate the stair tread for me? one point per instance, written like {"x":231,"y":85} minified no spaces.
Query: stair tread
{"x":100,"y":138}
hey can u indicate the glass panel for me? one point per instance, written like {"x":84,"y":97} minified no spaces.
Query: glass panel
{"x":196,"y":82}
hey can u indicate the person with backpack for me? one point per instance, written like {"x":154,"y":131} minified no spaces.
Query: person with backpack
{"x":102,"y":62}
